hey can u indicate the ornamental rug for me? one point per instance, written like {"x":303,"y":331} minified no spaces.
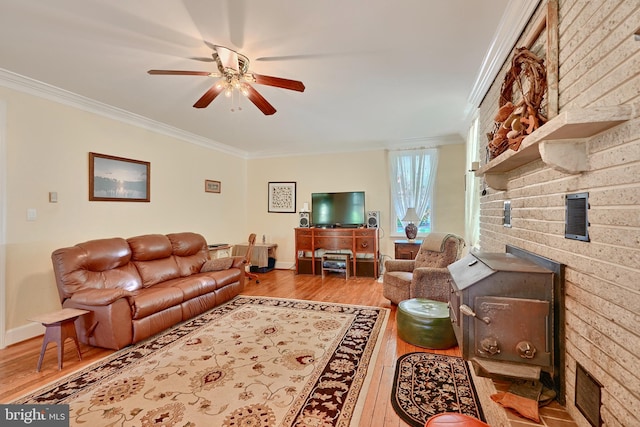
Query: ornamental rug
{"x":251,"y":362}
{"x":427,"y":384}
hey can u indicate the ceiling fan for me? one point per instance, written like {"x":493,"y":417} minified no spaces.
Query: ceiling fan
{"x":234,"y":74}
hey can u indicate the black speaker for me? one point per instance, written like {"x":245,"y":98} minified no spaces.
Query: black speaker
{"x":373,"y":219}
{"x":303,"y":221}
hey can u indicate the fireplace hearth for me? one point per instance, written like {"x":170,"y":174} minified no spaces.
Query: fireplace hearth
{"x":507,"y":310}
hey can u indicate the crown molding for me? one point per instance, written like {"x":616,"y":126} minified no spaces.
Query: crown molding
{"x":515,"y":18}
{"x":425,"y":142}
{"x":43,"y":90}
{"x":391,"y":145}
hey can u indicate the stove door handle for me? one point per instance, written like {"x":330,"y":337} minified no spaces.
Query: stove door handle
{"x":468,"y":311}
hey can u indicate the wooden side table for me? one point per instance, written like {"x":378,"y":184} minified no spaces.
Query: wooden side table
{"x":59,"y":326}
{"x":405,"y":249}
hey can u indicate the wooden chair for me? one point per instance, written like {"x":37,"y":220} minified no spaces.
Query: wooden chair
{"x":247,"y":258}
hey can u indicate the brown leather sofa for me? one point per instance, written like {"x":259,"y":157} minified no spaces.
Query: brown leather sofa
{"x":140,"y":286}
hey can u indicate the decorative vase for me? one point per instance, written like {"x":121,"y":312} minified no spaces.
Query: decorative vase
{"x":411,"y":230}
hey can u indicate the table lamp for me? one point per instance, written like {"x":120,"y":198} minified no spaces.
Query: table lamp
{"x":411,"y":230}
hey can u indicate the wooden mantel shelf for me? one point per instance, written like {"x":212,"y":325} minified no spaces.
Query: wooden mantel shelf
{"x":561,"y":143}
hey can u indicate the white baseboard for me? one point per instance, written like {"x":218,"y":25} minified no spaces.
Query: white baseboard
{"x":23,"y":333}
{"x":285,"y":265}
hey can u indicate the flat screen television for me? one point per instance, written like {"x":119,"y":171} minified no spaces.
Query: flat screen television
{"x":344,"y":209}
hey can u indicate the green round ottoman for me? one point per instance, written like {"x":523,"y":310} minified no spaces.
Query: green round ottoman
{"x":425,"y":323}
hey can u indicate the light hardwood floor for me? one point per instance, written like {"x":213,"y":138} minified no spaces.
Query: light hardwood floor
{"x":17,"y":363}
{"x":18,"y":374}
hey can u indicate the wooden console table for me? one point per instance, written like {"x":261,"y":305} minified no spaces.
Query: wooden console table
{"x":362,"y":243}
{"x":404,"y":249}
{"x":59,"y":326}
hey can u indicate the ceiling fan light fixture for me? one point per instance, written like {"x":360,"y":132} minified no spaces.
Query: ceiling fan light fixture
{"x":221,"y":84}
{"x":233,"y":74}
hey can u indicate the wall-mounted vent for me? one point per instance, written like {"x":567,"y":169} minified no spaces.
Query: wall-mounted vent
{"x":506,"y":221}
{"x":577,"y":221}
{"x":588,"y":396}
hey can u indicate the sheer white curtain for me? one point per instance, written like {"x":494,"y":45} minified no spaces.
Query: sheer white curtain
{"x":472,"y":198}
{"x":412,"y":174}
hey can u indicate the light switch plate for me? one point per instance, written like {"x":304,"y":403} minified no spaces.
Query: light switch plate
{"x":32,"y":214}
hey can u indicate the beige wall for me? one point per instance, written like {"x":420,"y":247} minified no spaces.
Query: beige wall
{"x":599,"y":66}
{"x":358,"y":171}
{"x":361,"y":171}
{"x":47,"y":150}
{"x":449,"y":191}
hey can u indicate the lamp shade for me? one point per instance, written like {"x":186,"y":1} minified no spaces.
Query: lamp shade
{"x":411,"y":216}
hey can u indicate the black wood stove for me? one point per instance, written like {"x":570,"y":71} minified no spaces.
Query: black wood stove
{"x":506,"y":315}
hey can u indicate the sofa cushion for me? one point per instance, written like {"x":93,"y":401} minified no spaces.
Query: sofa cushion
{"x":190,"y":251}
{"x":225,"y":277}
{"x":157,"y":271}
{"x":95,"y":264}
{"x":217,"y":264}
{"x":192,"y":286}
{"x":152,"y":256}
{"x":152,"y":300}
{"x":150,"y":247}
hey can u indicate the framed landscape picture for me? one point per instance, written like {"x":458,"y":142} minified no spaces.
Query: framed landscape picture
{"x":118,"y":179}
{"x":282,"y":197}
{"x":211,"y":186}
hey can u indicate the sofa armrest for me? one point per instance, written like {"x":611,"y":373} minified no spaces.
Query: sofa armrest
{"x":98,"y":297}
{"x":238,"y":262}
{"x":399,"y":265}
{"x":431,"y":283}
{"x":107,"y":326}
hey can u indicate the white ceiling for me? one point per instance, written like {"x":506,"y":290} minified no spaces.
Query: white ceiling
{"x":378,"y":73}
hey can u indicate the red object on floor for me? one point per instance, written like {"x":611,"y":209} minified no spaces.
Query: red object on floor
{"x":453,"y":419}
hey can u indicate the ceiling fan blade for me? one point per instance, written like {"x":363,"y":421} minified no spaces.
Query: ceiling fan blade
{"x":208,"y":96}
{"x":279,"y":82}
{"x":293,"y":57}
{"x":210,"y":45}
{"x":259,"y":101}
{"x":180,"y":73}
{"x":202,"y":59}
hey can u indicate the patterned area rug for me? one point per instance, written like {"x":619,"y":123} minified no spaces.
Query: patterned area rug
{"x":251,"y":362}
{"x":427,"y":384}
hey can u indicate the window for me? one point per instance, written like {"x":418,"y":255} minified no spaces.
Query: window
{"x":412,"y":174}
{"x":472,"y":188}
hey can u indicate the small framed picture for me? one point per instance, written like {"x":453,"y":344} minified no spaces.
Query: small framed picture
{"x":116,"y":179}
{"x":282,"y":197}
{"x":211,"y":186}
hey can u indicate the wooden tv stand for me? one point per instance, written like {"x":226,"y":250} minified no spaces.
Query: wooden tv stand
{"x":362,"y":242}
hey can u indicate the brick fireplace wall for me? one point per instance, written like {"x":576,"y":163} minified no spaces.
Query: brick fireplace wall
{"x":599,"y":65}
